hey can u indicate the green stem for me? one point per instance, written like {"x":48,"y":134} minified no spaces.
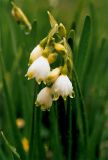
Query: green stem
{"x":69,"y":130}
{"x":55,"y":135}
{"x":35,"y":141}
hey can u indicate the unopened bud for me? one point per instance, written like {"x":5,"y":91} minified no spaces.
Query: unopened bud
{"x":60,"y":48}
{"x":52,"y":58}
{"x":19,"y":16}
{"x":53,"y":75}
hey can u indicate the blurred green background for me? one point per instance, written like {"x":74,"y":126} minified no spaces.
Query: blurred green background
{"x":90,"y":53}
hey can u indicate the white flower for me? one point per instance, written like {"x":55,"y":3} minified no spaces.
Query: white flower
{"x":44,"y":98}
{"x":62,"y":87}
{"x":39,"y":69}
{"x":36,"y":53}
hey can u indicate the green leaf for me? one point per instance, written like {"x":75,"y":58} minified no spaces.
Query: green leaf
{"x":95,"y":138}
{"x":82,"y":57}
{"x":81,"y":118}
{"x":12,"y":149}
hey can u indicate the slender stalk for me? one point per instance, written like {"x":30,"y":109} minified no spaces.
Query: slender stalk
{"x":61,"y":113}
{"x":69,"y":129}
{"x":55,"y":135}
{"x":35,"y":139}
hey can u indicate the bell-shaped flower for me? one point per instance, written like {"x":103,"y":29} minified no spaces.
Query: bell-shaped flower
{"x":44,"y":98}
{"x":62,"y":87}
{"x":36,"y":53}
{"x":39,"y":69}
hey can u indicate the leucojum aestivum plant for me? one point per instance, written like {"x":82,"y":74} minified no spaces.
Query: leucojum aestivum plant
{"x":43,"y":66}
{"x":40,"y":117}
{"x":50,"y":64}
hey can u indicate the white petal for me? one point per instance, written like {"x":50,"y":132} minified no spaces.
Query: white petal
{"x":36,"y":53}
{"x":44,"y":98}
{"x":62,"y":86}
{"x":40,"y":69}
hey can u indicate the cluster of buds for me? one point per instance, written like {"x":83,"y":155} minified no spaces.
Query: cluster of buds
{"x":50,"y":62}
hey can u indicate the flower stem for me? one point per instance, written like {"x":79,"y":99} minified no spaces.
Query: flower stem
{"x":35,"y":139}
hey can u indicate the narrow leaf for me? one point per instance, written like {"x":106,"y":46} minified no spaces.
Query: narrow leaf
{"x":83,"y":47}
{"x":12,"y":149}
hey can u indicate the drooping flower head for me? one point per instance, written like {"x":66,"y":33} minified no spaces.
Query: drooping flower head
{"x":62,"y":87}
{"x":39,"y":69}
{"x":44,"y":98}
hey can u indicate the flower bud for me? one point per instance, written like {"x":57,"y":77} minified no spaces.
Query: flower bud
{"x":52,"y":58}
{"x":20,"y":17}
{"x":59,"y":48}
{"x":53,"y":75}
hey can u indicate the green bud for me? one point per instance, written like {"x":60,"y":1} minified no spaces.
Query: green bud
{"x":52,"y":58}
